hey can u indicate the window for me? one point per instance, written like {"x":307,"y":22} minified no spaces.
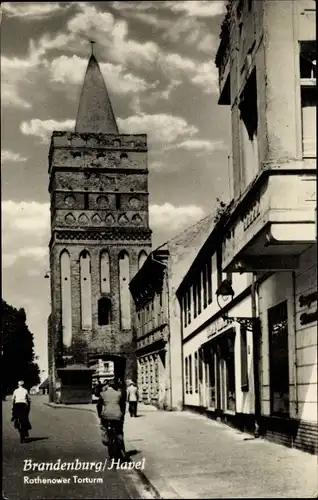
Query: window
{"x":307,"y":60}
{"x":244,"y":363}
{"x":205,"y":286}
{"x":227,"y":350}
{"x":196,"y":372}
{"x":86,"y":206}
{"x":104,"y":311}
{"x":308,"y":68}
{"x":194,"y":295}
{"x":219,"y":267}
{"x":199,"y":293}
{"x":117,"y":199}
{"x":187,"y":375}
{"x":189,"y":305}
{"x":185,"y":311}
{"x":211,"y":370}
{"x":278,"y":359}
{"x":248,"y":131}
{"x":190,"y":374}
{"x":209,"y":273}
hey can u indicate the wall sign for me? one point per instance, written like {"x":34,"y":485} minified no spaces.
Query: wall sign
{"x":306,"y":301}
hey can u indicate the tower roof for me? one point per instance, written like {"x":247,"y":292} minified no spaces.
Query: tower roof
{"x":95,"y":113}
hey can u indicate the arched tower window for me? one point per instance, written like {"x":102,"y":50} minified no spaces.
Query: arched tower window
{"x":66,"y":297}
{"x":86,"y":290}
{"x":124,"y":292}
{"x":104,"y":311}
{"x":141,"y":258}
{"x":104,"y":272}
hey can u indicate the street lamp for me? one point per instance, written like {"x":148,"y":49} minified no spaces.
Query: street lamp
{"x":225,"y":295}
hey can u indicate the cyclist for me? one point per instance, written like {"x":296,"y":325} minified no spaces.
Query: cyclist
{"x":21,"y":407}
{"x":112,"y":406}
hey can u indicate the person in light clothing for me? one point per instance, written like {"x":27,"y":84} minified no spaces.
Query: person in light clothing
{"x":111,"y":408}
{"x":132,"y":398}
{"x":21,"y":406}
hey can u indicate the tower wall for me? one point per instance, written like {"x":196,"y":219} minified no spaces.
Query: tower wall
{"x":99,"y":202}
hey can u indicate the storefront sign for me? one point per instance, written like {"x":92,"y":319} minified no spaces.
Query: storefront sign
{"x":251,"y":215}
{"x":306,"y":301}
{"x":216,"y":326}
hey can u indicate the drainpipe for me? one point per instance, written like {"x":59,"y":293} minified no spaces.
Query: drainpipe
{"x":295,"y":343}
{"x":169,"y":330}
{"x":256,"y":342}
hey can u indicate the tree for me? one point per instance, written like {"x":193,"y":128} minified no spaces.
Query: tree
{"x":220,"y":211}
{"x":17,"y":353}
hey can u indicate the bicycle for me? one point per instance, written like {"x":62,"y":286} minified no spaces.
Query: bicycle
{"x":21,"y":429}
{"x":114,"y":445}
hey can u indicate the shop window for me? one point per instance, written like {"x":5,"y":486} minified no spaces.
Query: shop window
{"x":244,"y":360}
{"x":200,"y":366}
{"x":190,"y":373}
{"x":278,"y":359}
{"x":196,"y":372}
{"x":187,"y":375}
{"x":212,"y":382}
{"x":104,"y":311}
{"x":230,"y":375}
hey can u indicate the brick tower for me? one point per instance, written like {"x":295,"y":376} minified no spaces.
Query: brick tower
{"x":100,"y":233}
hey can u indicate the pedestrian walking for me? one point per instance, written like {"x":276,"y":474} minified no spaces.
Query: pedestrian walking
{"x":132,"y":398}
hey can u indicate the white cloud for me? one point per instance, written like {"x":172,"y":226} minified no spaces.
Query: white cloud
{"x":71,"y":70}
{"x":201,"y":145}
{"x":167,"y":216}
{"x":32,"y":10}
{"x":202,"y":74}
{"x":201,"y":8}
{"x":10,"y":156}
{"x":25,"y":231}
{"x":161,"y":128}
{"x":44,"y":128}
{"x":13,"y":73}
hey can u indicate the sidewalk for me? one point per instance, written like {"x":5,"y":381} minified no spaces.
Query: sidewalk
{"x":189,"y":456}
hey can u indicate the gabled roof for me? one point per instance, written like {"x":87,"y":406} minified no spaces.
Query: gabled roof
{"x":95,"y":113}
{"x":45,"y":384}
{"x":212,"y":239}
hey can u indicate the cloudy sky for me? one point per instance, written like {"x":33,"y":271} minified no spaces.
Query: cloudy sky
{"x":158,"y":62}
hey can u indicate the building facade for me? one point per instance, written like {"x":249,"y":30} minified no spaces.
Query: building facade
{"x":99,"y":233}
{"x":157,"y":317}
{"x":218,"y":349}
{"x":267,"y":75}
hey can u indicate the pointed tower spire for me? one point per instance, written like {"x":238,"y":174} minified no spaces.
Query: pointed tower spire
{"x":95,"y":113}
